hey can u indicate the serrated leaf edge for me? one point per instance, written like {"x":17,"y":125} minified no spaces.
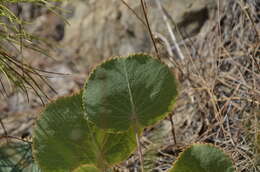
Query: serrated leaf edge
{"x":132,"y":55}
{"x":41,"y":115}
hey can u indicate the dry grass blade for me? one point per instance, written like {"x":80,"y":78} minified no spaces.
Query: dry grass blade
{"x":221,"y":80}
{"x":3,"y":126}
{"x":173,"y":37}
{"x":133,"y":11}
{"x":149,"y":28}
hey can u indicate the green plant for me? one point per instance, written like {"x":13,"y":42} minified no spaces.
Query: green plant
{"x":14,"y":40}
{"x":120,"y":98}
{"x":16,"y":156}
{"x":86,"y":168}
{"x":203,"y":158}
{"x":64,"y":140}
{"x":99,"y":127}
{"x":133,"y":92}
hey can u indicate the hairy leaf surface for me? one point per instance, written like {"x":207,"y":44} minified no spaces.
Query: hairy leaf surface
{"x":90,"y":168}
{"x":203,"y":158}
{"x":64,"y":140}
{"x":132,"y":92}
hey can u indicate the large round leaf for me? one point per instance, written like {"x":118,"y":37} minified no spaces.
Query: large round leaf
{"x":16,"y":156}
{"x":87,"y":168}
{"x":135,"y":91}
{"x":64,"y":140}
{"x":90,"y":168}
{"x":203,"y":158}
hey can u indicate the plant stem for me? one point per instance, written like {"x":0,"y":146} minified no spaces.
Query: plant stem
{"x":149,"y":28}
{"x":139,"y":150}
{"x":173,"y":130}
{"x":133,"y":11}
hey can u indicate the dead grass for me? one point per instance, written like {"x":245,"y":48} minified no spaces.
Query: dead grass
{"x":220,"y":97}
{"x":220,"y":80}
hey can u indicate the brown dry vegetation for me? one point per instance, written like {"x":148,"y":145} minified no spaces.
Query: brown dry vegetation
{"x":219,"y":95}
{"x":220,"y":88}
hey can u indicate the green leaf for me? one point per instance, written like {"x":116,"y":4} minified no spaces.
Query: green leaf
{"x":16,"y":156}
{"x":203,"y":158}
{"x":132,"y":92}
{"x":64,"y":140}
{"x":90,"y":168}
{"x":87,"y":168}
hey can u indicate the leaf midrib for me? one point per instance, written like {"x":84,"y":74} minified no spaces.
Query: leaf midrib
{"x":134,"y":118}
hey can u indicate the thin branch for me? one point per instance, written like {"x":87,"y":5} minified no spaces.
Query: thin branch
{"x":4,"y":93}
{"x":133,"y":11}
{"x":2,"y":125}
{"x":172,"y":129}
{"x":149,"y":28}
{"x":13,"y":137}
